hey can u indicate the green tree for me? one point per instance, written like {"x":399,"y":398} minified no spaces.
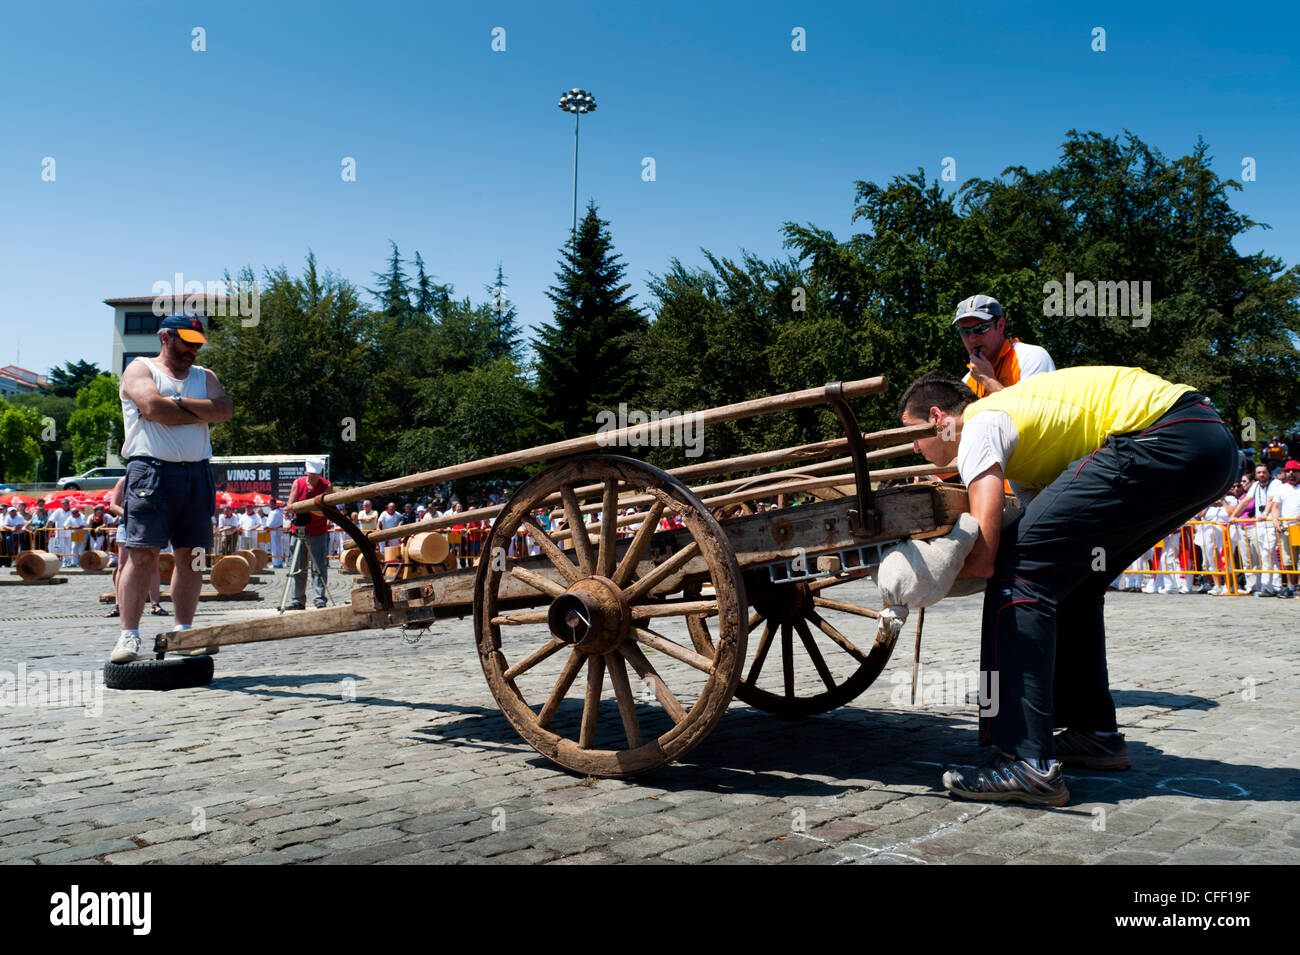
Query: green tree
{"x":65,"y":382}
{"x":430,"y":297}
{"x":1112,"y":209}
{"x":585,"y":358}
{"x":399,"y":338}
{"x":97,"y":420}
{"x":19,"y":448}
{"x":58,"y":411}
{"x":507,"y":336}
{"x":297,"y":376}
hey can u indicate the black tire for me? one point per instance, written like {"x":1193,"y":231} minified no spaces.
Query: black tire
{"x":174,"y":673}
{"x":71,"y":487}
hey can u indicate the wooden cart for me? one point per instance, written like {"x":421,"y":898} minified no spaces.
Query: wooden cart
{"x":748,"y":595}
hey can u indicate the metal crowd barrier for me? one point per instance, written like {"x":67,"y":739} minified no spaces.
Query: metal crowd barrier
{"x":1228,"y":556}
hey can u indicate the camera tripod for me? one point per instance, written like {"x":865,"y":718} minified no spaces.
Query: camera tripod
{"x":300,"y":545}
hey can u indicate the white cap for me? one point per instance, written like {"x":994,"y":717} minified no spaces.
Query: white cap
{"x":315,"y":467}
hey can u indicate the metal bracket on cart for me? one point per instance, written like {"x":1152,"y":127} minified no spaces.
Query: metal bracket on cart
{"x":840,"y":562}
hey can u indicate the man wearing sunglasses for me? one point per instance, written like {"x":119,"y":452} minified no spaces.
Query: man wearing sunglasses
{"x":996,"y":362}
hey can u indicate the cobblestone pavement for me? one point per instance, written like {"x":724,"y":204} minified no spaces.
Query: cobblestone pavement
{"x":273,"y":762}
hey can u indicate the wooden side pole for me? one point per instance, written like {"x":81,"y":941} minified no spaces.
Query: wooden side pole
{"x":500,"y":462}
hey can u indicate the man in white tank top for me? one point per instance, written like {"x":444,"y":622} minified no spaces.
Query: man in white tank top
{"x":167,"y":404}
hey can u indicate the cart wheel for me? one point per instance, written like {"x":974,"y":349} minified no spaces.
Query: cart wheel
{"x":783,"y":500}
{"x":811,"y":626}
{"x":597,"y":616}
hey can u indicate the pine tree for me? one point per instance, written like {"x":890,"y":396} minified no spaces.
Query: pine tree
{"x":585,"y":359}
{"x":505,"y":319}
{"x":394,"y":292}
{"x":430,"y":296}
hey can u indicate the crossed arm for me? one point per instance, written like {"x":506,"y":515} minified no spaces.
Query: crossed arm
{"x":137,"y":384}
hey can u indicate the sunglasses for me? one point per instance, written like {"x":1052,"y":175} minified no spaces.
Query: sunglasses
{"x":979,"y":329}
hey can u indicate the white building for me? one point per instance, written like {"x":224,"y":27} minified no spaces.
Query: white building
{"x":135,"y":326}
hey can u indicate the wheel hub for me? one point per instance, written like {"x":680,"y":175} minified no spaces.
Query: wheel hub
{"x":781,"y":603}
{"x":592,"y":616}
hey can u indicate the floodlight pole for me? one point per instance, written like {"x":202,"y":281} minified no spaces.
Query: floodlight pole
{"x":577,"y":102}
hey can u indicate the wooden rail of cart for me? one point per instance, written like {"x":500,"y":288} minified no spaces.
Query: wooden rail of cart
{"x":590,"y":607}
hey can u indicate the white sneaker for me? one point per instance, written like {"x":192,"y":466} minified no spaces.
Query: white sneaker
{"x":1148,"y":588}
{"x":127,"y":648}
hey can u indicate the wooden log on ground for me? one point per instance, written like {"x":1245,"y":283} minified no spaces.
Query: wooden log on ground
{"x":350,"y":560}
{"x":93,"y":561}
{"x":23,"y":583}
{"x":230,"y":574}
{"x":36,"y":565}
{"x":166,"y":564}
{"x":263,"y":559}
{"x":204,"y":595}
{"x":429,"y":547}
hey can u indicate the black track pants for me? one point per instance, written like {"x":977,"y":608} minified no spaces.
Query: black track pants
{"x":1043,"y":629}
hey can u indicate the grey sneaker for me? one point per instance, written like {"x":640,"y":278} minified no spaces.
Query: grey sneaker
{"x":1008,"y":779}
{"x":1081,"y":748}
{"x":127,"y":648}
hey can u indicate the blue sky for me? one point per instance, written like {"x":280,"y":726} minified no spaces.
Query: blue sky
{"x":170,"y":160}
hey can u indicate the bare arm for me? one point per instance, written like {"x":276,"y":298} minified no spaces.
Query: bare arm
{"x":986,"y":504}
{"x":222,"y":408}
{"x":217,"y":406}
{"x":137,"y":384}
{"x":116,"y":496}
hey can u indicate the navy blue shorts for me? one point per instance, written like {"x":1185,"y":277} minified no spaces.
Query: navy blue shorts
{"x":168,"y":502}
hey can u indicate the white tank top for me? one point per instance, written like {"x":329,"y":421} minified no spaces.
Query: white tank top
{"x":167,"y":442}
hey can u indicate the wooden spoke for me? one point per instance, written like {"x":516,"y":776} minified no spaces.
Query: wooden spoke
{"x":845,"y":644}
{"x":811,"y":646}
{"x":626,"y":701}
{"x":552,"y":550}
{"x":518,"y":619}
{"x":537,"y":581}
{"x":608,"y":530}
{"x":534,"y":658}
{"x":761,"y":654}
{"x":845,"y":607}
{"x":567,"y":676}
{"x":591,"y":704}
{"x":787,"y":658}
{"x":646,"y":671}
{"x":697,"y":582}
{"x":643,"y":586}
{"x":675,"y":608}
{"x":674,"y":650}
{"x":632,"y":556}
{"x":577,"y":530}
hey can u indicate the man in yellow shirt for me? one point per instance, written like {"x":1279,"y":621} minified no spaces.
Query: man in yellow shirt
{"x":1107,"y":460}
